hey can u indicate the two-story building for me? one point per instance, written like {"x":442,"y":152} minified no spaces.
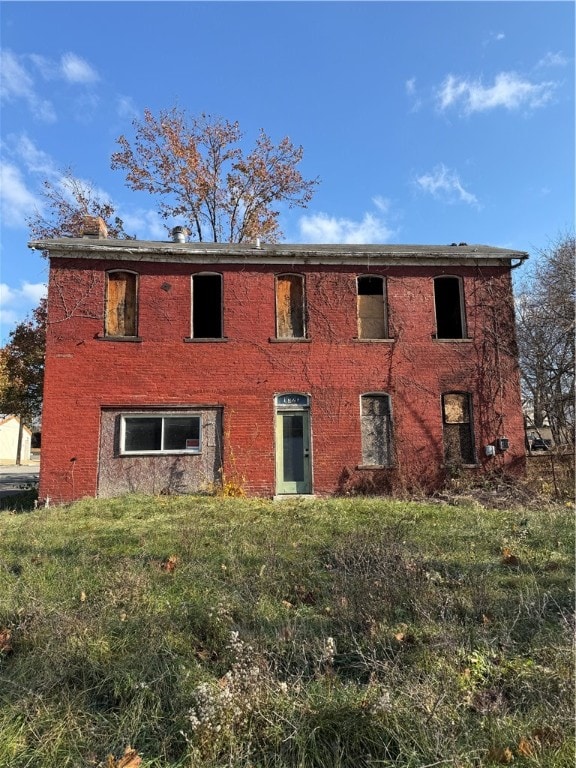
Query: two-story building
{"x":288,"y":369}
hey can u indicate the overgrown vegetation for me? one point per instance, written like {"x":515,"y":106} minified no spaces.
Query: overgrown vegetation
{"x":210,"y":632}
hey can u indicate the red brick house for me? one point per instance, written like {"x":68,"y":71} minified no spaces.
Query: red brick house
{"x":291,"y":369}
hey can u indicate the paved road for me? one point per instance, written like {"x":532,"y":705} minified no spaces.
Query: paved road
{"x":12,"y":478}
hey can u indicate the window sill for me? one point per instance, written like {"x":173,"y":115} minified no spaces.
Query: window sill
{"x":134,"y":339}
{"x":205,"y":340}
{"x":373,"y":341}
{"x":133,"y":454}
{"x":374,"y":466}
{"x":289,"y":340}
{"x":467,"y":340}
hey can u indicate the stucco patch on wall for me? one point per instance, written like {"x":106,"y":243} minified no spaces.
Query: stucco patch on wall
{"x":169,"y":473}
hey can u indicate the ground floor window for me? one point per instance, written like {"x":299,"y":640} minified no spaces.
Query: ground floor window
{"x":154,"y":433}
{"x":457,"y":428}
{"x":376,"y":430}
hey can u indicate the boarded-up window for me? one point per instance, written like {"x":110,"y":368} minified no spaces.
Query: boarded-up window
{"x":449,"y":305}
{"x":207,"y":306}
{"x":371,"y":300}
{"x":457,"y":424}
{"x":290,"y":311}
{"x":121,"y":290}
{"x":376,"y":430}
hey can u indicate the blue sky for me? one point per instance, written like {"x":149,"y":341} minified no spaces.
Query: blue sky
{"x":426,"y":122}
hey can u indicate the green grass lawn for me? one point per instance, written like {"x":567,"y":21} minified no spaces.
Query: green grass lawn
{"x":205,"y":631}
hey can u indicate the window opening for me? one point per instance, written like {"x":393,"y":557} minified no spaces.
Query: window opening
{"x":457,"y":423}
{"x":449,"y":308}
{"x":376,"y":428}
{"x":121,"y":290}
{"x":207,"y":306}
{"x":371,"y":303}
{"x":290,"y":307}
{"x":160,"y":434}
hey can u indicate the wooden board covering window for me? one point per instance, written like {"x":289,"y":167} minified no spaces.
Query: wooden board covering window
{"x":290,"y":306}
{"x":121,"y":304}
{"x":371,"y":324}
{"x":375,"y":428}
{"x":456,"y":410}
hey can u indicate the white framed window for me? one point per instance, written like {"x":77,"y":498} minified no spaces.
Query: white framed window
{"x":376,"y":429}
{"x":154,"y":433}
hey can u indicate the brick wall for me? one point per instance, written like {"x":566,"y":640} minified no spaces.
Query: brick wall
{"x":86,"y":373}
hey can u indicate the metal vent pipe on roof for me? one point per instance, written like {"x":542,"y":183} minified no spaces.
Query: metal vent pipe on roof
{"x":179,"y":234}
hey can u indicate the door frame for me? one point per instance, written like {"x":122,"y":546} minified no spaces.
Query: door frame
{"x":292,"y":403}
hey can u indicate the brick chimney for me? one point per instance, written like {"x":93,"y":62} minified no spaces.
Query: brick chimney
{"x":94,"y":227}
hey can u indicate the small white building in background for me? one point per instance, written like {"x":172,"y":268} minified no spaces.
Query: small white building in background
{"x":9,"y":428}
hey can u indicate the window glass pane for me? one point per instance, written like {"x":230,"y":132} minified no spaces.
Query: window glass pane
{"x":293,"y":447}
{"x":143,"y":434}
{"x":182,"y":433}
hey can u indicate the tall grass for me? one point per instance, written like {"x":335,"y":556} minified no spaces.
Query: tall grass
{"x":208,"y":632}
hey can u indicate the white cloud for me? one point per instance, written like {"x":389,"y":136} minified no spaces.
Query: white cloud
{"x":509,"y":90}
{"x":14,"y":80}
{"x":444,"y":184}
{"x":126,"y":108}
{"x":36,"y":160}
{"x":551,"y":59}
{"x":322,"y":228}
{"x":17,"y":303}
{"x":410,"y":86}
{"x":77,"y":70}
{"x":145,"y":225}
{"x":16,"y":200}
{"x":494,"y":37}
{"x":16,"y":83}
{"x":382,"y":203}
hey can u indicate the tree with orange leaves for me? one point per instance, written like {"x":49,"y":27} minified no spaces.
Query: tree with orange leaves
{"x":205,"y":179}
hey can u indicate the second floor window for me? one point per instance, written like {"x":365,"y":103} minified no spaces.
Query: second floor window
{"x":207,"y":306}
{"x":290,"y":307}
{"x":371,"y":305}
{"x":449,"y":306}
{"x":121,"y":304}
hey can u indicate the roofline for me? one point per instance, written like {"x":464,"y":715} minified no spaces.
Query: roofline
{"x":266,"y":253}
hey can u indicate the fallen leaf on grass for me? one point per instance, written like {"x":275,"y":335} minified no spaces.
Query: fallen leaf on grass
{"x":508,"y":558}
{"x":130,"y":759}
{"x":525,"y":748}
{"x":502,"y":755}
{"x":82,"y":596}
{"x":5,"y":641}
{"x":169,"y":565}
